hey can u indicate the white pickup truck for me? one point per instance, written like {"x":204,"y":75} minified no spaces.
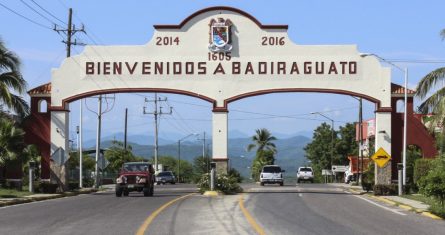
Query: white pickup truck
{"x":305,"y":174}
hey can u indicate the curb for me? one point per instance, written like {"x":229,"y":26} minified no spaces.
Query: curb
{"x":210,"y":193}
{"x":432,"y":216}
{"x":407,"y":207}
{"x":17,"y":201}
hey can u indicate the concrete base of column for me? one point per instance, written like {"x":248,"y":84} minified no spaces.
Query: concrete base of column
{"x":59,"y":176}
{"x":221,"y":165}
{"x":383,"y":175}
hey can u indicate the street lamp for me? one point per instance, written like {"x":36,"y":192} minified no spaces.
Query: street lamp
{"x":405,"y":71}
{"x":332,"y":137}
{"x":179,"y":153}
{"x":360,"y":136}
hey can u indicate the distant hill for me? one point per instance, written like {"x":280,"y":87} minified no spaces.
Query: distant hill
{"x":290,"y":152}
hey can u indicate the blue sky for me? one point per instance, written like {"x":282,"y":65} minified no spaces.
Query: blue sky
{"x":395,"y":30}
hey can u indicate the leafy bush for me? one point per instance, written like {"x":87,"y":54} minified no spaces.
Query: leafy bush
{"x":437,"y":209}
{"x":203,"y":183}
{"x":368,"y":178}
{"x":433,"y":184}
{"x":421,"y":169}
{"x":224,"y":183}
{"x":46,"y":187}
{"x":73,"y":185}
{"x":385,"y":189}
{"x":234,"y":173}
{"x":88,"y":182}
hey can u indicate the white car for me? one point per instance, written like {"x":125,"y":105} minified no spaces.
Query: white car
{"x":271,"y":174}
{"x":305,"y":174}
{"x":349,"y":176}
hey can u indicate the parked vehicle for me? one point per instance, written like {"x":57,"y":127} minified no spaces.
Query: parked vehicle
{"x":271,"y":174}
{"x":165,"y":177}
{"x":349,"y":176}
{"x":305,"y":174}
{"x":135,"y":176}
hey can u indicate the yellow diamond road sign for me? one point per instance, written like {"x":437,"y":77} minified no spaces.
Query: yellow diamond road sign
{"x":381,"y":157}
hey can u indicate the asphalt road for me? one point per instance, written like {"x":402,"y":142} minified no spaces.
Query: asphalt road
{"x":291,"y":209}
{"x":323,"y":209}
{"x":99,"y":213}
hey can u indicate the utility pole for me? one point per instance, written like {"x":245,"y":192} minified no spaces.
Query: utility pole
{"x":156,"y":113}
{"x":125,"y":131}
{"x":204,"y":160}
{"x":360,"y":119}
{"x":80,"y":146}
{"x":99,"y":126}
{"x":204,"y":149}
{"x":99,"y":114}
{"x":69,"y":32}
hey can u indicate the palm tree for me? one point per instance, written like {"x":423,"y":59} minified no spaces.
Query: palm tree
{"x":11,"y":140}
{"x":436,"y":102}
{"x":263,"y":141}
{"x":11,"y":81}
{"x":31,"y":154}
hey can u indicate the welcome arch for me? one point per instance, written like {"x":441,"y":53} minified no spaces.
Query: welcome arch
{"x":220,"y":54}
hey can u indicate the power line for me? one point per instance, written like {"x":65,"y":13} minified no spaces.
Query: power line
{"x":49,"y":13}
{"x":414,"y":61}
{"x":24,"y":17}
{"x":40,"y":14}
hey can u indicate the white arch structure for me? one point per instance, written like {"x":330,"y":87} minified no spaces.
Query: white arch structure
{"x":262,"y":59}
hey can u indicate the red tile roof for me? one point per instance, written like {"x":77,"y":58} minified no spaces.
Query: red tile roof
{"x":41,"y":90}
{"x":400,"y":90}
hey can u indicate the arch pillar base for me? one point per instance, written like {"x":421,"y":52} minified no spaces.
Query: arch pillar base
{"x":383,"y":140}
{"x":222,"y":166}
{"x":220,"y":136}
{"x":59,"y":148}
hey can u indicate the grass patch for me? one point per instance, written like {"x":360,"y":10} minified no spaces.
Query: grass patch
{"x":12,"y":193}
{"x":420,"y":198}
{"x":434,"y":204}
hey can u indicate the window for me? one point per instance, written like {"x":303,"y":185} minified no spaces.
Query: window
{"x":43,"y":106}
{"x":272,"y":169}
{"x":400,"y":106}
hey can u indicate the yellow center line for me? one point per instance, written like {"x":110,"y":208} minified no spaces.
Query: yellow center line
{"x":249,"y":217}
{"x":150,"y":218}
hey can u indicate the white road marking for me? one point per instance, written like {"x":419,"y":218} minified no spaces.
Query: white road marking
{"x":300,"y":194}
{"x":383,"y":207}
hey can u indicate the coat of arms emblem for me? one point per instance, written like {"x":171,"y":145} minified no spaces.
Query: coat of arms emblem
{"x":220,"y":35}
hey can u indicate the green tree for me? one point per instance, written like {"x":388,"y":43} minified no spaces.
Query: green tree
{"x":118,"y":155}
{"x":11,"y":81}
{"x":345,"y":144}
{"x":171,"y":164}
{"x":262,"y":140}
{"x":412,"y":154}
{"x":11,"y":140}
{"x":31,"y":154}
{"x":435,"y":103}
{"x":200,"y":167}
{"x":88,"y":163}
{"x":265,"y":151}
{"x":319,"y":150}
{"x":433,"y":184}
